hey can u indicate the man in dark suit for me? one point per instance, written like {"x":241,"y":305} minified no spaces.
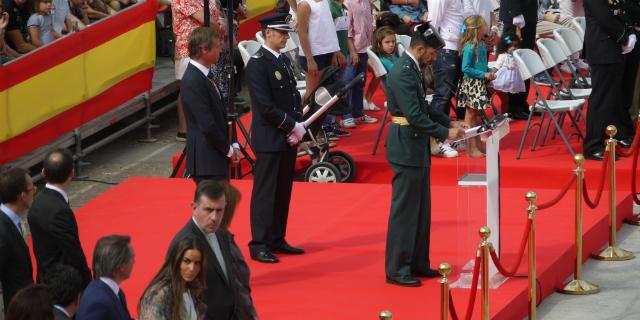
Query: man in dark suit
{"x":65,"y":284}
{"x":522,"y":14}
{"x":414,"y":121}
{"x":607,"y":42}
{"x":277,"y":112}
{"x":208,"y":147}
{"x":16,"y":195}
{"x":220,"y":294}
{"x":54,"y":229}
{"x":103,"y":299}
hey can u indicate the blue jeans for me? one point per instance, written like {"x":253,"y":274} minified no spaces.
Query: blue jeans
{"x":356,"y":94}
{"x":445,"y":78}
{"x":408,"y":10}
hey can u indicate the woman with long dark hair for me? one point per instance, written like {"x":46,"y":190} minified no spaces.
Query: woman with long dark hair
{"x":175,"y":292}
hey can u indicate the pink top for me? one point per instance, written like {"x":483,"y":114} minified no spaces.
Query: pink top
{"x":360,"y":23}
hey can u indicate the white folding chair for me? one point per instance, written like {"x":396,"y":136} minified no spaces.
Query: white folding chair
{"x":580,"y":25}
{"x":379,"y":72}
{"x":247,"y":49}
{"x":403,"y":42}
{"x":530,"y":64}
{"x":260,"y":37}
{"x":552,"y":56}
{"x":571,"y":45}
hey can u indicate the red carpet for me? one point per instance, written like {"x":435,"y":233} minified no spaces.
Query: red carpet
{"x":343,"y":229}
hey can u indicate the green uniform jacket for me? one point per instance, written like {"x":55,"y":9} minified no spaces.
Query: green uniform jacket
{"x":409,"y":145}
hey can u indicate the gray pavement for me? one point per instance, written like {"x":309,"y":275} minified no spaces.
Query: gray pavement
{"x":619,"y":296}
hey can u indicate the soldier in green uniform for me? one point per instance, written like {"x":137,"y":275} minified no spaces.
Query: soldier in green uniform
{"x":408,"y":153}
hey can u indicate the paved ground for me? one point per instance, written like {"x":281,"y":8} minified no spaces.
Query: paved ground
{"x":619,"y":297}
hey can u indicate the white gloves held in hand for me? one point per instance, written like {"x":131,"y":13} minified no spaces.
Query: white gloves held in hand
{"x":631,"y":43}
{"x":518,"y":21}
{"x":296,"y":134}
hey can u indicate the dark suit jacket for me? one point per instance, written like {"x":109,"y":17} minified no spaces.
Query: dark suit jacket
{"x":409,"y":145}
{"x":55,"y":235}
{"x":275,"y":102}
{"x":99,"y":302}
{"x":59,"y":315}
{"x":15,"y":261}
{"x":514,"y":8}
{"x":207,"y":129}
{"x":220,"y":296}
{"x":604,"y":35}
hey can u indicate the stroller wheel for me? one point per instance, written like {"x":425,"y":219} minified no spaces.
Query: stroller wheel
{"x":322,"y":172}
{"x":345,"y":164}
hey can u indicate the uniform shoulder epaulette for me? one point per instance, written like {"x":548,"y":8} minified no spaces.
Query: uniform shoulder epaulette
{"x":258,"y":55}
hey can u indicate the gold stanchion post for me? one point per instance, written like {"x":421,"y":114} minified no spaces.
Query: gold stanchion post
{"x":531,"y":197}
{"x":385,"y":315}
{"x":577,"y":285}
{"x":485,"y":248}
{"x":612,"y":252}
{"x":444,"y":269}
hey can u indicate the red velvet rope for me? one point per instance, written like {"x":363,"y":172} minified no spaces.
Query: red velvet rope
{"x":452,"y":308}
{"x":557,"y":199}
{"x":523,"y":245}
{"x":634,"y":145}
{"x":585,"y":191}
{"x":474,"y":288}
{"x":634,"y":166}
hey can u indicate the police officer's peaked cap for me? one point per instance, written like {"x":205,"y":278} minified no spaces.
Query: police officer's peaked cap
{"x":277,"y":21}
{"x":431,"y":36}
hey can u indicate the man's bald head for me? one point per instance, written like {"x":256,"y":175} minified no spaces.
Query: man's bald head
{"x":57,"y":167}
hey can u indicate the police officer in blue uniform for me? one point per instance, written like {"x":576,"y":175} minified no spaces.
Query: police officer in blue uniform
{"x":276,"y":127}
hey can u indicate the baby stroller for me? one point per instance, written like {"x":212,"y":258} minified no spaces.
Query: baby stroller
{"x":326,"y":165}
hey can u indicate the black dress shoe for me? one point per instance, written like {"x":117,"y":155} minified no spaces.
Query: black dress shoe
{"x":264,"y":256}
{"x":287,"y":249}
{"x":429,"y":273}
{"x":404,"y":281}
{"x":625,"y":143}
{"x":599,"y":156}
{"x":520,"y":115}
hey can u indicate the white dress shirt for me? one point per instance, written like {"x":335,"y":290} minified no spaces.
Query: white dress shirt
{"x":14,"y":217}
{"x":413,"y":58}
{"x":447,"y":17}
{"x":112,"y":284}
{"x":275,"y":53}
{"x":215,"y":246}
{"x":60,"y":191}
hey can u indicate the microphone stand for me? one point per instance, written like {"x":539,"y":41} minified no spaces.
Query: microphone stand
{"x":233,"y":114}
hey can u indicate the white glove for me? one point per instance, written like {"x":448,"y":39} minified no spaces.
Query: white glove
{"x":292,"y":140}
{"x":298,"y":131}
{"x":631,"y":43}
{"x":518,"y":21}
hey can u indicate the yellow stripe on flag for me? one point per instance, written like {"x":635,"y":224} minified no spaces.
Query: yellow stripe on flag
{"x":76,"y":80}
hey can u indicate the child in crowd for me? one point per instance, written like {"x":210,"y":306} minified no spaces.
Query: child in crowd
{"x":476,"y":72}
{"x":360,"y":33}
{"x":508,"y":78}
{"x":384,"y":46}
{"x":40,"y":24}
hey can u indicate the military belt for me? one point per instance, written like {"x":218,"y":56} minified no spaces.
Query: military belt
{"x":402,"y":121}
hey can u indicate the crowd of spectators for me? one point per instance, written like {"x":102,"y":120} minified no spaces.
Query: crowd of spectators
{"x":204,"y":274}
{"x":344,"y":44}
{"x":26,"y":25}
